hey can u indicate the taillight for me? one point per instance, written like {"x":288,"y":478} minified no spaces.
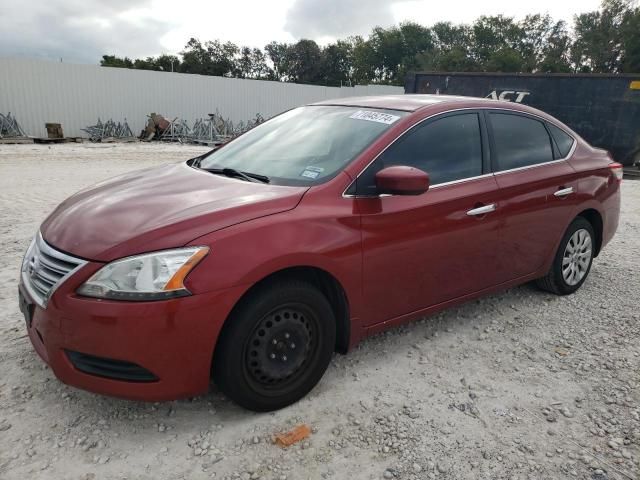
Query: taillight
{"x":616,"y":169}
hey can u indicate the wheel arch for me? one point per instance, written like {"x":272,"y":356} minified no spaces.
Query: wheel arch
{"x":595,"y":219}
{"x":326,"y":283}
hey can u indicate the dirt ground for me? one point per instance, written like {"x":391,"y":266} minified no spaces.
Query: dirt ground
{"x":519,"y":385}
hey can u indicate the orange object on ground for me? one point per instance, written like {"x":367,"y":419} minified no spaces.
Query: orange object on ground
{"x":286,"y":439}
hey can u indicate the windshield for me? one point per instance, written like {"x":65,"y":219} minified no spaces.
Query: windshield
{"x":304,"y":146}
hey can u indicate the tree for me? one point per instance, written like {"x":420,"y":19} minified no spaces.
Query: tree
{"x":388,"y":52}
{"x":555,"y":56}
{"x":113,"y":61}
{"x":212,"y":58}
{"x":279,"y":55}
{"x":364,"y":60}
{"x":631,"y":41}
{"x":417,"y":43}
{"x":451,"y":50}
{"x":498,"y":34}
{"x":337,"y":63}
{"x":605,"y":41}
{"x":304,"y":62}
{"x":505,"y":59}
{"x":168,"y":63}
{"x":598,"y":45}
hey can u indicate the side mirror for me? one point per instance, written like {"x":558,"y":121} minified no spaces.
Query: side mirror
{"x":400,"y":180}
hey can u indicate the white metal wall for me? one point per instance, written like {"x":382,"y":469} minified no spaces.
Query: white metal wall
{"x":37,"y":92}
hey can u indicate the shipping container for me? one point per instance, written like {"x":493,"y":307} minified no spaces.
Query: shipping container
{"x":603,"y":109}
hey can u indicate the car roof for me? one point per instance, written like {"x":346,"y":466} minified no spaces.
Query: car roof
{"x":406,"y":102}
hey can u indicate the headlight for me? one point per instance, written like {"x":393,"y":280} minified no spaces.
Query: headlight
{"x":152,"y":276}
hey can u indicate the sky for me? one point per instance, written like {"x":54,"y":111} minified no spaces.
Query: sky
{"x":81,"y":31}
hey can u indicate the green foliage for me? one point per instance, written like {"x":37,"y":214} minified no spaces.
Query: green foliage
{"x":113,"y":61}
{"x":212,"y":58}
{"x":603,"y":41}
{"x":631,"y":42}
{"x":336,"y":63}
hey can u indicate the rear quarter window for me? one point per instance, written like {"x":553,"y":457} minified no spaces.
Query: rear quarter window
{"x":563,"y":140}
{"x":519,"y":141}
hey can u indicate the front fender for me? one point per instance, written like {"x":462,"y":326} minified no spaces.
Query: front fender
{"x":247,"y":253}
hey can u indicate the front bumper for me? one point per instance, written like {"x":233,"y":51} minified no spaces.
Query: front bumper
{"x":172,"y":339}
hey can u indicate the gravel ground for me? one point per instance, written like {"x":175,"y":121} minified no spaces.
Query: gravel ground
{"x":517,"y":385}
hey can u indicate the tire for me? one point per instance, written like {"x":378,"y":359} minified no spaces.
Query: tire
{"x":275,"y":346}
{"x":581,"y":238}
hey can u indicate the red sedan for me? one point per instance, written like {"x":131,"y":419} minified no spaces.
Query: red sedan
{"x":252,"y":264}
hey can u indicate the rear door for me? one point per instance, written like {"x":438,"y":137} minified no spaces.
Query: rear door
{"x":538,"y":189}
{"x":425,"y":249}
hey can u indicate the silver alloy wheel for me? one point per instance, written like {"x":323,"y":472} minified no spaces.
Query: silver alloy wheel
{"x":577,"y":257}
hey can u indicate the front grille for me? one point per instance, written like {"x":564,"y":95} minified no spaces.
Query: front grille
{"x":110,"y":368}
{"x":44,"y":268}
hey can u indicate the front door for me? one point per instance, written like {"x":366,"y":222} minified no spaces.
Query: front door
{"x":422,"y":250}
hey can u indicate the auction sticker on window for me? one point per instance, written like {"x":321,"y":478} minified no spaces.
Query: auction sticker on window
{"x":312,"y":172}
{"x":379,"y":117}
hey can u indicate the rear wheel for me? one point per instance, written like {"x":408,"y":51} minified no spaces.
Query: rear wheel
{"x":573,"y":259}
{"x":275,"y":346}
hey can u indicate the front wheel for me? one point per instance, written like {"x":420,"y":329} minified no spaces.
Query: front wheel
{"x":275,"y":346}
{"x":573,"y":259}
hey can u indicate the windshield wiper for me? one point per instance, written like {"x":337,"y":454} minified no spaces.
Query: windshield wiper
{"x":232,"y":172}
{"x":196,"y":161}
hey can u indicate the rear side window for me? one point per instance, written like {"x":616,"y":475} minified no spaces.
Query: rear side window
{"x":519,"y":141}
{"x":447,"y":149}
{"x":563,"y":140}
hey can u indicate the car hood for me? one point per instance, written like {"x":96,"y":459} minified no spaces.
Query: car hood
{"x":158,"y":208}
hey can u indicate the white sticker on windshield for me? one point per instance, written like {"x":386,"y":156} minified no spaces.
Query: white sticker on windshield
{"x":312,"y":172}
{"x":385,"y":118}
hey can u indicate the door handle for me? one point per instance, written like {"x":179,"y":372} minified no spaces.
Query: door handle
{"x":563,"y":192}
{"x":482,"y":210}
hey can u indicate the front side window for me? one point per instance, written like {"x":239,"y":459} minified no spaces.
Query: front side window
{"x":448,"y":149}
{"x":519,"y":141}
{"x":304,"y":146}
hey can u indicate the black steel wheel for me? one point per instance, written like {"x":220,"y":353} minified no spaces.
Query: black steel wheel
{"x":281,"y":344}
{"x":275,"y":346}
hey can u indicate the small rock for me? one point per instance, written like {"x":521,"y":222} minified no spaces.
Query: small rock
{"x":566,"y":412}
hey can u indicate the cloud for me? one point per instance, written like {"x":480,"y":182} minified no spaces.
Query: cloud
{"x":337,"y":18}
{"x":79,"y":31}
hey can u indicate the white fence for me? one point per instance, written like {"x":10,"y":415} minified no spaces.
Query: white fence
{"x":38,"y":91}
